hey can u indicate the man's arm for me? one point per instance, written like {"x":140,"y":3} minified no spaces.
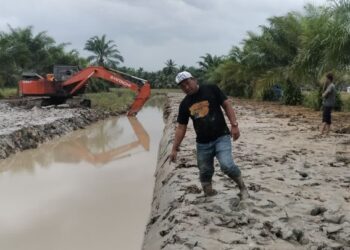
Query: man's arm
{"x":230,"y":113}
{"x":179,"y":136}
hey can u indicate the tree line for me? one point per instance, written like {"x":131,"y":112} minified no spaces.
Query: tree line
{"x":293,"y":51}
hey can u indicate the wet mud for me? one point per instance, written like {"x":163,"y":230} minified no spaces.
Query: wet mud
{"x":299,"y":184}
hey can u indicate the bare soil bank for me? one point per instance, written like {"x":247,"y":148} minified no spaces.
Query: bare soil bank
{"x":299,"y":185}
{"x":22,"y":128}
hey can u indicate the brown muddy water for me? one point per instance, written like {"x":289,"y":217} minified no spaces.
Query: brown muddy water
{"x":91,"y":189}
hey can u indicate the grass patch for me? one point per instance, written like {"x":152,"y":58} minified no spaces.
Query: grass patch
{"x":117,"y":100}
{"x":165,"y":91}
{"x":311,"y":100}
{"x":345,"y":97}
{"x":8,"y":92}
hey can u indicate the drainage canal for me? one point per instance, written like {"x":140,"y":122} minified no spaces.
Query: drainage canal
{"x":91,"y":189}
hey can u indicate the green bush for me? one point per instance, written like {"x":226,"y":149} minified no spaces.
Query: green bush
{"x":268,"y":94}
{"x":97,"y":85}
{"x":272,"y":93}
{"x":8,"y":92}
{"x":248,"y":91}
{"x":346,"y":106}
{"x":292,"y":94}
{"x":313,"y":100}
{"x":116,"y":100}
{"x":338,"y":102}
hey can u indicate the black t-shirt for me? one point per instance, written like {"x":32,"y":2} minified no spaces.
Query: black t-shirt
{"x":204,"y":108}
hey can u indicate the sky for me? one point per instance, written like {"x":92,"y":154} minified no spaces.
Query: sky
{"x":149,"y":32}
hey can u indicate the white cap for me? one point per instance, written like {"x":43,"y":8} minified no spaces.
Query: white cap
{"x":182,"y":76}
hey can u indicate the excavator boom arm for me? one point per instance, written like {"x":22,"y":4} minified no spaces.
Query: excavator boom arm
{"x":98,"y":72}
{"x":80,"y":79}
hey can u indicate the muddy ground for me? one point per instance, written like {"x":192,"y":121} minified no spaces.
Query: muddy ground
{"x":299,"y":184}
{"x":23,"y":127}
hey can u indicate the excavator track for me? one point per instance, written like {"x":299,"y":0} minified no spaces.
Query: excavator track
{"x":26,"y":102}
{"x":30,"y":102}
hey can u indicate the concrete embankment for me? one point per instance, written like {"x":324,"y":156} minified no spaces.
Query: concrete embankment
{"x":22,"y":129}
{"x":299,"y":185}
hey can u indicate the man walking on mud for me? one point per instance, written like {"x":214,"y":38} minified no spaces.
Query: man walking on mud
{"x":203,"y":104}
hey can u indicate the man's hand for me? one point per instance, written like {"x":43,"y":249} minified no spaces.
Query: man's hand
{"x":230,"y":113}
{"x":172,"y":156}
{"x":179,"y":135}
{"x":235,"y":132}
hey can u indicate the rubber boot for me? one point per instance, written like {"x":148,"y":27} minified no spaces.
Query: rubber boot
{"x":243,"y":194}
{"x":208,"y":189}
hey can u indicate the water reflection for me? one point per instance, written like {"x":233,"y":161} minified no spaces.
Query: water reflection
{"x":97,"y":145}
{"x":157,"y":101}
{"x":101,"y":143}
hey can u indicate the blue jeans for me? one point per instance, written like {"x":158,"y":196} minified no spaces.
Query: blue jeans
{"x":221,"y":148}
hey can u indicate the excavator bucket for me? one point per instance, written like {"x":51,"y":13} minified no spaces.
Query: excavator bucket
{"x":141,"y":98}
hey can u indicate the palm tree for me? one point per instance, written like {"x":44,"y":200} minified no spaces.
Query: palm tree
{"x":264,"y":59}
{"x":182,"y":68}
{"x":105,"y":52}
{"x":269,"y":57}
{"x":30,"y":52}
{"x":170,"y":67}
{"x":325,"y":40}
{"x":209,"y":62}
{"x":339,"y":41}
{"x":308,"y":62}
{"x":207,"y":67}
{"x":21,"y":50}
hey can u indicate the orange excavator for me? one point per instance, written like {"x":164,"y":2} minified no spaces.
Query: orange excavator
{"x":69,"y":81}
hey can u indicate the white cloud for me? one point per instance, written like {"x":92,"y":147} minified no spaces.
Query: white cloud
{"x":148,"y":32}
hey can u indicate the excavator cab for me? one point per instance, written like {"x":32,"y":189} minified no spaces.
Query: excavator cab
{"x":63,"y":72}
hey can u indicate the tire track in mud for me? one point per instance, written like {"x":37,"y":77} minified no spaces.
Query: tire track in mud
{"x":299,"y":185}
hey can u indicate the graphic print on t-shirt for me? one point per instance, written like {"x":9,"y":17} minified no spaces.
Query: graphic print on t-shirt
{"x":199,"y":109}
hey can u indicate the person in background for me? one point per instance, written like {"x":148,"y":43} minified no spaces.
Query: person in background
{"x":203,"y":105}
{"x":328,"y":102}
